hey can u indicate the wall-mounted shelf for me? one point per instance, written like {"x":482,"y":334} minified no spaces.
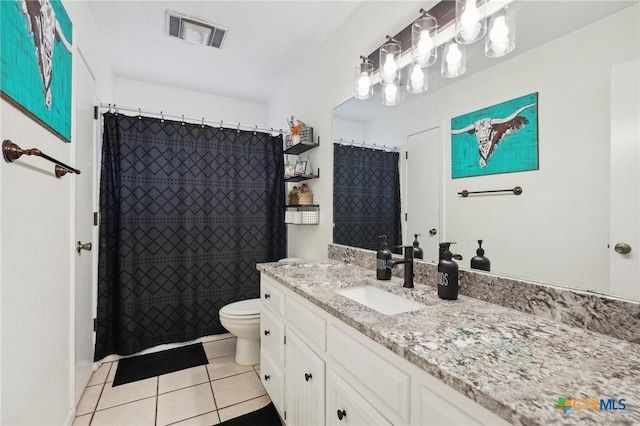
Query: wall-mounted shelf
{"x":302,"y":214}
{"x":299,"y":148}
{"x":301,"y":178}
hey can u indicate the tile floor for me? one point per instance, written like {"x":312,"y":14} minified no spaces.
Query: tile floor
{"x":204,"y":395}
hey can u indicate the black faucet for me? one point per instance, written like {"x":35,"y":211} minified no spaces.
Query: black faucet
{"x":408,"y":265}
{"x":447,"y":247}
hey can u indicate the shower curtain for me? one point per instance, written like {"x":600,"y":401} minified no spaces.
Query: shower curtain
{"x":366,"y":196}
{"x":186,"y":212}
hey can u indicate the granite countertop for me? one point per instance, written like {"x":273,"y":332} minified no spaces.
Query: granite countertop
{"x":515,"y":364}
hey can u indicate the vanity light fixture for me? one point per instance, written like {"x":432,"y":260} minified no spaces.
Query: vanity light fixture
{"x":194,"y":30}
{"x":449,"y":24}
{"x":364,"y":79}
{"x":501,"y":34}
{"x":470,"y":27}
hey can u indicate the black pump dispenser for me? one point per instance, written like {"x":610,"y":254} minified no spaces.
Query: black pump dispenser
{"x":447,"y":274}
{"x":480,"y":261}
{"x":384,"y":254}
{"x":417,"y":251}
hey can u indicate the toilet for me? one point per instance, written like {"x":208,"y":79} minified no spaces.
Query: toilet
{"x":242,"y":319}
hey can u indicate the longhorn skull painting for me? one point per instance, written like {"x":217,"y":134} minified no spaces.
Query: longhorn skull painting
{"x":36,"y":61}
{"x":475,"y":138}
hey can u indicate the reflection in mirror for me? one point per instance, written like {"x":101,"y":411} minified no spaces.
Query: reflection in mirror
{"x":564,"y":227}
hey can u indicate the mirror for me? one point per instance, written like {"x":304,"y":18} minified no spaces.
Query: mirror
{"x":561,"y":230}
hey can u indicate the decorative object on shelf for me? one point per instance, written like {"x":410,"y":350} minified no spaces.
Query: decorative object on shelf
{"x":36,"y":59}
{"x":475,"y":137}
{"x":306,"y":196}
{"x":451,"y":24}
{"x":294,"y":131}
{"x":300,"y":168}
{"x":289,"y":170}
{"x":300,"y":137}
{"x":293,"y":195}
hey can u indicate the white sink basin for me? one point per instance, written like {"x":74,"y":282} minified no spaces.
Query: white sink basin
{"x":380,"y":300}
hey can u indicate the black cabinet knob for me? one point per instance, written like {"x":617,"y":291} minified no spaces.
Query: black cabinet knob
{"x":341,"y":414}
{"x":267,"y":295}
{"x":267,"y":377}
{"x":266,"y":333}
{"x":307,"y":376}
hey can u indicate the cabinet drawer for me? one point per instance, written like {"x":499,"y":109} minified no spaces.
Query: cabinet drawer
{"x":272,"y":336}
{"x":271,"y":296}
{"x":386,"y":386}
{"x":311,"y":327}
{"x":346,"y":407}
{"x":272,"y":378}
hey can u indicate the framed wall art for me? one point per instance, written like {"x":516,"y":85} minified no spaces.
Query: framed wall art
{"x":36,"y":61}
{"x":502,"y":138}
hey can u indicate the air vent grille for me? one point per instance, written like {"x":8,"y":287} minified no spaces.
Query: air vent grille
{"x":195,"y":31}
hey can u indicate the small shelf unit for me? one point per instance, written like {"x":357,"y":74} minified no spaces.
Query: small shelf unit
{"x":302,"y":214}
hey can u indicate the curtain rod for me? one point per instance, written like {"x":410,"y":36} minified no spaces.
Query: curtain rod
{"x":202,"y":121}
{"x":354,"y":144}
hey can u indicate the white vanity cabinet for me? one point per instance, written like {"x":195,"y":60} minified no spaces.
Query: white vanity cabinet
{"x":335,"y":375}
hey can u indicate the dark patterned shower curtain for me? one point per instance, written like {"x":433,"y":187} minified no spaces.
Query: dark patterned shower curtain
{"x":366,"y":196}
{"x":186,"y":212}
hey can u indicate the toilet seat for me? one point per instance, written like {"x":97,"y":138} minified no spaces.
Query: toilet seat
{"x":245,"y":309}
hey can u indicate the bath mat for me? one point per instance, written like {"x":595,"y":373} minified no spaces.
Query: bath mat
{"x":150,"y":365}
{"x":266,"y":416}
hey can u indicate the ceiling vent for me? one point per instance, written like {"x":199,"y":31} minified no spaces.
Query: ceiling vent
{"x":194,"y":30}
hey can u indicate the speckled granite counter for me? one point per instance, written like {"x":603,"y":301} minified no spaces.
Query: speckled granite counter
{"x":514,"y":364}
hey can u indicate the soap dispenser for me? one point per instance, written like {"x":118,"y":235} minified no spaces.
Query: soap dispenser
{"x":417,"y":251}
{"x":480,"y":261}
{"x":384,"y":254}
{"x":447,"y":274}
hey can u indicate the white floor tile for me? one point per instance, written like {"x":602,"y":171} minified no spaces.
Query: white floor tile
{"x":237,"y":410}
{"x":203,"y":420}
{"x":138,"y":413}
{"x":225,"y":366}
{"x":183,"y":379}
{"x":82,"y":420}
{"x":184,"y":404}
{"x":89,"y":400}
{"x":112,"y":396}
{"x":238,"y":388}
{"x":220,"y":348}
{"x":100,"y":375}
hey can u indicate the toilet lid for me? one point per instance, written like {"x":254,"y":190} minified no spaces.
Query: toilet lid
{"x":242,"y":308}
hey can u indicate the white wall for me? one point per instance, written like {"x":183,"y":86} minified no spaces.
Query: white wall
{"x":349,"y":131}
{"x":37,"y":259}
{"x":172,"y":101}
{"x":318,"y":86}
{"x":558,"y":230}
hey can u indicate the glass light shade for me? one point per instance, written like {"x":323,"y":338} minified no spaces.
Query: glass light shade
{"x":501,"y":34}
{"x":389,"y":63}
{"x":364,"y":81}
{"x":423,"y":32}
{"x":417,"y":79}
{"x":390,"y":94}
{"x":454,"y":62}
{"x":469,"y":27}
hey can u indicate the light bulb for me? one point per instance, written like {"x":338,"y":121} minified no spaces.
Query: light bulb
{"x":364,"y":84}
{"x":390,"y":93}
{"x":389,"y":67}
{"x":426,"y":43}
{"x":453,"y":55}
{"x":499,"y":36}
{"x":417,"y":78}
{"x":470,"y":21}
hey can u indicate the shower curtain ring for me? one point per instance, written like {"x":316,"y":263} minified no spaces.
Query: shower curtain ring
{"x":202,"y":125}
{"x":238,"y":129}
{"x":220,"y":124}
{"x":183,"y":119}
{"x":161,"y":117}
{"x":139,"y":114}
{"x":256,"y":130}
{"x":116,"y":108}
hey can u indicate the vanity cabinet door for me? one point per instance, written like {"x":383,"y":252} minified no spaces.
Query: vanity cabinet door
{"x":346,"y":407}
{"x":272,"y":336}
{"x":304,"y":383}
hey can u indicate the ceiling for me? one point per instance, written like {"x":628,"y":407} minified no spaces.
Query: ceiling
{"x":266,"y":40}
{"x":537,"y":22}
